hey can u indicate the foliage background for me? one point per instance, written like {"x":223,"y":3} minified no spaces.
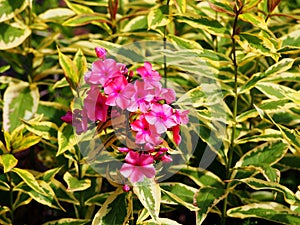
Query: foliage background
{"x":251,"y":49}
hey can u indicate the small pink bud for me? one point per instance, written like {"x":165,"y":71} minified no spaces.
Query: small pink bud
{"x":164,"y":149}
{"x":100,"y":52}
{"x":126,"y":188}
{"x":124,"y":149}
{"x":166,"y":158}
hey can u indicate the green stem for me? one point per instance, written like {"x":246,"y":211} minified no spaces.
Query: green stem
{"x":235,"y":104}
{"x":11,"y":199}
{"x":165,"y":47}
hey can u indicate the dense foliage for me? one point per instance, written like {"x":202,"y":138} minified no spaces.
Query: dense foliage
{"x":225,"y":150}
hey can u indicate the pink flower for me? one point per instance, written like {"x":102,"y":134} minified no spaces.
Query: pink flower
{"x":102,"y":72}
{"x":141,"y":97}
{"x":176,"y":134}
{"x":100,"y":52}
{"x":137,"y":166}
{"x":67,"y":118}
{"x":150,"y":76}
{"x":95,"y":105}
{"x":145,"y":133}
{"x":168,"y":94}
{"x":119,"y":92}
{"x":161,"y":116}
{"x":181,"y":116}
{"x":80,"y":120}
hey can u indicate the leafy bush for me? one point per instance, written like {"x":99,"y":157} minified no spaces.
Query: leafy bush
{"x":233,"y":65}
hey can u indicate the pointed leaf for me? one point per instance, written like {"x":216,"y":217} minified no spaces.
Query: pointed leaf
{"x":202,"y":177}
{"x":76,"y":185}
{"x":44,"y":129}
{"x":267,"y":153}
{"x":266,"y":210}
{"x":180,"y":5}
{"x":14,"y":108}
{"x":84,"y":19}
{"x":68,"y":221}
{"x":116,"y":209}
{"x":56,"y":14}
{"x":258,"y":184}
{"x":8,"y":161}
{"x":78,"y":8}
{"x":29,"y":179}
{"x":10,"y":9}
{"x":13,"y":34}
{"x":162,"y":221}
{"x":66,"y":139}
{"x":157,"y":18}
{"x":149,"y":194}
{"x":207,"y":198}
{"x":23,"y":143}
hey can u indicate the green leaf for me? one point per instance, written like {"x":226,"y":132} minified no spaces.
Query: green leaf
{"x":157,"y":18}
{"x":221,"y":7}
{"x":258,"y":184}
{"x":255,"y":20}
{"x":291,"y":136}
{"x":66,"y":139}
{"x":180,"y":5}
{"x":84,"y":19}
{"x":178,"y":193}
{"x":274,"y":91}
{"x":267,"y":153}
{"x":14,"y":35}
{"x":8,"y":161}
{"x":136,"y":23}
{"x":271,"y":211}
{"x":81,"y":64}
{"x":116,"y":209}
{"x":29,"y":179}
{"x":207,"y":24}
{"x":68,"y":221}
{"x":14,"y":108}
{"x":9,"y":9}
{"x":202,"y":177}
{"x":97,"y":199}
{"x":76,"y":185}
{"x":47,"y":198}
{"x":184,"y":43}
{"x":291,"y":39}
{"x":161,"y":221}
{"x":24,"y":142}
{"x":149,"y":194}
{"x":282,"y":66}
{"x":207,"y":198}
{"x":44,"y":129}
{"x":21,"y":199}
{"x":56,"y":15}
{"x":4,"y":68}
{"x":79,"y":8}
{"x":69,"y":69}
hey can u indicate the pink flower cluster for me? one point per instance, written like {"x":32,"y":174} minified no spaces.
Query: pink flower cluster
{"x":146,"y":101}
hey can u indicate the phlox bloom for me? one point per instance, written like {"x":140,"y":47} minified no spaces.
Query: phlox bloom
{"x":161,"y":116}
{"x":95,"y":105}
{"x":137,"y":166}
{"x":102,"y":72}
{"x":145,"y":132}
{"x":119,"y":92}
{"x":141,"y":97}
{"x":150,"y":76}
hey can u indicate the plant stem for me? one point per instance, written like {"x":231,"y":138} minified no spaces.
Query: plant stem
{"x":235,"y":104}
{"x":11,"y":199}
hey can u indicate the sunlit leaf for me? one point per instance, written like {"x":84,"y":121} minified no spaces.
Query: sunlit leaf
{"x":79,"y":8}
{"x":115,"y":210}
{"x":149,"y":194}
{"x":8,"y":161}
{"x":14,"y":108}
{"x":271,"y":211}
{"x":258,"y":184}
{"x":206,"y":198}
{"x":202,"y":177}
{"x":162,"y":221}
{"x":74,"y":184}
{"x":157,"y":18}
{"x":66,"y":139}
{"x":84,"y":19}
{"x":180,"y":5}
{"x":9,"y":9}
{"x":56,"y":14}
{"x":13,"y":34}
{"x":68,"y":221}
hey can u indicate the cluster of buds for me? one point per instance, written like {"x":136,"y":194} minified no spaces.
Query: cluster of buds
{"x":113,"y":90}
